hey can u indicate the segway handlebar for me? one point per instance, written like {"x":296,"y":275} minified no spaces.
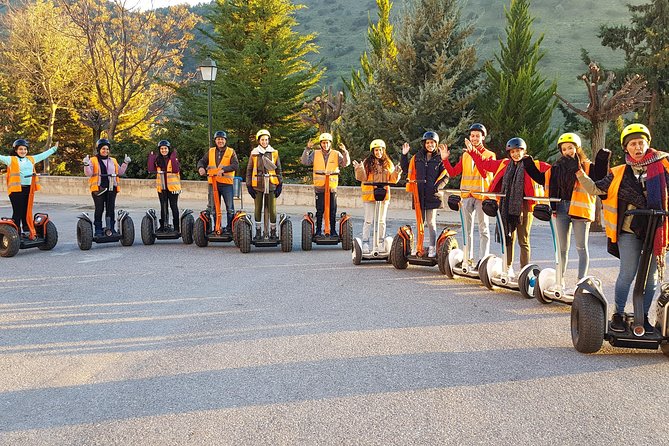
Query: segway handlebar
{"x":543,"y":199}
{"x":647,"y":212}
{"x":376,"y":183}
{"x":326,"y":172}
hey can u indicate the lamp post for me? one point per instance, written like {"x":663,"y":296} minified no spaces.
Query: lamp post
{"x":208,"y":71}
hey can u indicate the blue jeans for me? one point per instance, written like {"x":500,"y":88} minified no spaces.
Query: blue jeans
{"x":630,"y":252}
{"x":581,"y":231}
{"x":225,"y":191}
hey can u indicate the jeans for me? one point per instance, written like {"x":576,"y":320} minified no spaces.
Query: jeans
{"x":431,"y":226}
{"x":523,"y":234}
{"x":106,"y":201}
{"x":225,"y":191}
{"x":167,"y":198}
{"x":369,"y":207}
{"x":471,"y":206}
{"x":320,"y":210}
{"x":581,"y":232}
{"x":630,"y":253}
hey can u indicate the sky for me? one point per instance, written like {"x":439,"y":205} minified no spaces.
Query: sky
{"x":147,"y":4}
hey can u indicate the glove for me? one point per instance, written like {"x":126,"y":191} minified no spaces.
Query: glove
{"x":252,"y":191}
{"x":87,"y":160}
{"x":277,"y":191}
{"x":127,"y":159}
{"x":528,"y":161}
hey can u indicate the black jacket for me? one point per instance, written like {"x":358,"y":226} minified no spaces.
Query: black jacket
{"x":427,"y":172}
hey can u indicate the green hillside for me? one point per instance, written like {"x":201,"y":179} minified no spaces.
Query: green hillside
{"x":568,"y":25}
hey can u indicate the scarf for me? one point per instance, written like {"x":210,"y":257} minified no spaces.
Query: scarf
{"x":513,"y":185}
{"x":656,"y":193}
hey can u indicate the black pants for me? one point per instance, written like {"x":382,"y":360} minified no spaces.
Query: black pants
{"x":320,"y":209}
{"x":101,"y":202}
{"x":19,"y":202}
{"x":166,"y":197}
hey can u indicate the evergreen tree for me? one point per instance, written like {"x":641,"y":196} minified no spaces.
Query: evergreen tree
{"x":516,"y":100}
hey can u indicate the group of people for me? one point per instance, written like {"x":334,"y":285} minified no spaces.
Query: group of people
{"x":573,"y":180}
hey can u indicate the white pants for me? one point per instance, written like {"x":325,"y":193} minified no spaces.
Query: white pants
{"x":431,"y":226}
{"x":369,"y":219}
{"x":471,"y":206}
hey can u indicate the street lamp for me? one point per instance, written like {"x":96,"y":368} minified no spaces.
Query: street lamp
{"x":208,"y":72}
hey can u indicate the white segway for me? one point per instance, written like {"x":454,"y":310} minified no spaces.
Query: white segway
{"x":459,"y":263}
{"x":493,"y":270}
{"x":380,"y":249}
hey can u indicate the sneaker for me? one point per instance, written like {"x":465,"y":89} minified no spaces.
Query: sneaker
{"x":318,"y":233}
{"x":272,"y":233}
{"x":365,"y":248}
{"x":647,"y":327}
{"x":334,"y":234}
{"x":99,"y":233}
{"x":510,"y":272}
{"x":432,"y":251}
{"x":617,"y":323}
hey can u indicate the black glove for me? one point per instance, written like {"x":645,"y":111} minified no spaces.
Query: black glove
{"x":532,"y":171}
{"x":277,"y":191}
{"x":528,"y":162}
{"x":252,"y":191}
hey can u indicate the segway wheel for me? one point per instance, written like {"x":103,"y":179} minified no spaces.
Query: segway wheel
{"x":84,"y":235}
{"x":307,"y":236}
{"x":545,"y":280}
{"x":356,"y":253}
{"x":588,"y":321}
{"x":528,"y":280}
{"x":665,"y":349}
{"x":287,"y":236}
{"x":148,"y":236}
{"x":128,"y":228}
{"x":235,"y":233}
{"x":200,"y":233}
{"x":50,"y":238}
{"x":187,"y":229}
{"x":244,"y":236}
{"x":9,"y":241}
{"x":347,"y":236}
{"x":445,"y":249}
{"x":484,"y":273}
{"x":398,"y":256}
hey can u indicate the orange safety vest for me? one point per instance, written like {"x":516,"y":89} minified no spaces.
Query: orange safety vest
{"x":173,"y":179}
{"x":582,"y":204}
{"x":14,"y":175}
{"x":213,"y":169}
{"x":472,"y":179}
{"x":94,"y":180}
{"x":273,"y":178}
{"x":388,"y":176}
{"x":610,"y":203}
{"x":332,"y":167}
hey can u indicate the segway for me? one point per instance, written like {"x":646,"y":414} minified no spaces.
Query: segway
{"x":244,"y":229}
{"x":589,"y":310}
{"x":493,"y":270}
{"x":42,"y":231}
{"x":547,"y":287}
{"x":458,"y":262}
{"x":345,"y":236}
{"x":207,"y":229}
{"x":86,"y":237}
{"x":150,"y":232}
{"x":405,"y":250}
{"x":379,"y":250}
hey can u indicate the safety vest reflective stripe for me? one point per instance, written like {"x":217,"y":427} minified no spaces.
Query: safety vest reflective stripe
{"x":213,"y":169}
{"x":14,"y":175}
{"x":332,"y":166}
{"x":472,"y":179}
{"x":610,"y":204}
{"x":173,"y":179}
{"x":95,"y":179}
{"x":273,"y":178}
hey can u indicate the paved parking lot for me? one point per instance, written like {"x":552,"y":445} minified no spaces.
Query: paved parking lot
{"x":175,"y":344}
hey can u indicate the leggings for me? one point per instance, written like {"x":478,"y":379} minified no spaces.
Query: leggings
{"x":166,"y":197}
{"x":271,"y":204}
{"x":102,"y":202}
{"x":19,"y":202}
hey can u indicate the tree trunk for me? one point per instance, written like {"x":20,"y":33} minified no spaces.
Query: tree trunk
{"x":598,"y":142}
{"x":49,"y":136}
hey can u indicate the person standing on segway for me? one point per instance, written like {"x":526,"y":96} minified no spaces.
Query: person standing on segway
{"x":376,"y":168}
{"x":264,"y":160}
{"x":165,"y":164}
{"x":511,"y":179}
{"x":20,"y":170}
{"x":641,"y":183}
{"x":103,"y":172}
{"x":425,"y":171}
{"x":576,"y":205}
{"x":473,"y":180}
{"x":220,"y":164}
{"x":328,"y":160}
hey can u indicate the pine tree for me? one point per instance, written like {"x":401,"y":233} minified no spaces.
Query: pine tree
{"x":516,"y":99}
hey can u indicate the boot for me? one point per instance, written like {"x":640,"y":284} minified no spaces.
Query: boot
{"x":258,"y":232}
{"x":272,"y":232}
{"x":176,"y":224}
{"x":161,"y":225}
{"x":98,"y":229}
{"x":319,"y":228}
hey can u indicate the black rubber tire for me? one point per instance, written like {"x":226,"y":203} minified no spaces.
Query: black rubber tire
{"x":307,"y":236}
{"x":244,"y":236}
{"x":84,"y":235}
{"x":528,"y":273}
{"x":539,"y":294}
{"x":187,"y":224}
{"x":356,"y":253}
{"x":483,"y":273}
{"x":235,"y":233}
{"x":200,"y":233}
{"x":287,"y":236}
{"x":398,"y":256}
{"x":442,"y":256}
{"x":51,"y":238}
{"x":588,"y":322}
{"x":9,"y":241}
{"x":347,"y":235}
{"x":665,"y":349}
{"x":128,"y":234}
{"x":148,"y":236}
